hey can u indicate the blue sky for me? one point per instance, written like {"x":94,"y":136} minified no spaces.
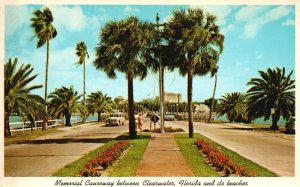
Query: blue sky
{"x":256,"y":37}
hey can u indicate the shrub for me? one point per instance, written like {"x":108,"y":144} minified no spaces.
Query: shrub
{"x":222,"y":161}
{"x":104,"y":159}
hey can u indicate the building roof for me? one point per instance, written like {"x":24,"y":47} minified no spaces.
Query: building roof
{"x":202,"y":108}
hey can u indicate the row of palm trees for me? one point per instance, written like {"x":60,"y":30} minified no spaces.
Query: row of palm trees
{"x":270,"y":95}
{"x":62,"y":101}
{"x":190,"y":42}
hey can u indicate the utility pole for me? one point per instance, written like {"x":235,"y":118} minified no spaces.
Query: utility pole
{"x":161,"y":79}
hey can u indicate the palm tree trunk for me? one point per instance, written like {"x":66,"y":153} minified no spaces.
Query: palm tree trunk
{"x":132,"y":132}
{"x":46,"y":81}
{"x":190,"y":103}
{"x":68,"y":119}
{"x":84,"y":83}
{"x":274,"y":122}
{"x":6,"y":126}
{"x":99,"y":116}
{"x":213,"y":99}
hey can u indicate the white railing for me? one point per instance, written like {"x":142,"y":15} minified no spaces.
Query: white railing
{"x":21,"y":126}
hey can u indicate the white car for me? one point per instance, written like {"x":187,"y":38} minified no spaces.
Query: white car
{"x":115,"y":119}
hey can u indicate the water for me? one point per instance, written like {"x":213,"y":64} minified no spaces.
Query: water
{"x":15,"y":119}
{"x":257,"y":121}
{"x":94,"y":117}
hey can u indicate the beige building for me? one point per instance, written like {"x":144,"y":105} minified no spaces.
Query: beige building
{"x":173,"y":97}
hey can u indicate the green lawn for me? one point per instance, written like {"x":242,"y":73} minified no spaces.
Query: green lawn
{"x":125,"y":167}
{"x":197,"y":165}
{"x":193,"y":156}
{"x":128,"y":163}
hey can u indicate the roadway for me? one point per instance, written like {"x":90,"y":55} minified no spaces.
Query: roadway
{"x":47,"y":154}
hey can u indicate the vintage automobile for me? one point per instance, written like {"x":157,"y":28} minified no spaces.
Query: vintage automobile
{"x":169,"y":117}
{"x":115,"y":119}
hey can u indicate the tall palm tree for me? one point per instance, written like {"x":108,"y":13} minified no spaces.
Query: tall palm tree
{"x":122,"y":47}
{"x":41,"y":22}
{"x":97,"y":102}
{"x":81,"y":52}
{"x":198,"y":44}
{"x":272,"y":90}
{"x":234,"y":106}
{"x":213,"y":74}
{"x":17,"y":96}
{"x":63,"y":102}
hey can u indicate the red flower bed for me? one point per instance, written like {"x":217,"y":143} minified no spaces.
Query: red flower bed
{"x":103,"y":159}
{"x":222,"y":161}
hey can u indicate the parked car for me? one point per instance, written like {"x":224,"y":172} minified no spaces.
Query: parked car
{"x":115,"y":119}
{"x":290,"y":126}
{"x":169,"y":117}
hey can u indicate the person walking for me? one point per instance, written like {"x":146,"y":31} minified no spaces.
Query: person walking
{"x":154,"y":119}
{"x":140,"y":122}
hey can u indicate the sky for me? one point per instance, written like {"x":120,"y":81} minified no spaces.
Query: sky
{"x":256,"y":38}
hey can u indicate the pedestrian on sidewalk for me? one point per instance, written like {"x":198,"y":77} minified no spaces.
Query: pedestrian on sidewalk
{"x":140,"y":122}
{"x":154,"y":119}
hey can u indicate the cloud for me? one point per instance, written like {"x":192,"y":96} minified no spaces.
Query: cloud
{"x":16,"y":16}
{"x":259,"y":56}
{"x":288,"y":22}
{"x":256,"y":17}
{"x":69,"y":18}
{"x":228,"y":28}
{"x":130,"y":9}
{"x":167,"y":18}
{"x":247,"y":13}
{"x":220,"y":11}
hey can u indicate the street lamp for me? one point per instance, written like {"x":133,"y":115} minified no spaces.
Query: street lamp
{"x":161,"y":78}
{"x":177,"y":108}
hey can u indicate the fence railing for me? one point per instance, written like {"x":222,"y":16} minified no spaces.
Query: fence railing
{"x":21,"y":126}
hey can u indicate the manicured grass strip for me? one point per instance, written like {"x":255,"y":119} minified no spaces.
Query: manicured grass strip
{"x":238,"y":159}
{"x":128,"y":164}
{"x":193,"y":156}
{"x":73,"y":169}
{"x":28,"y":135}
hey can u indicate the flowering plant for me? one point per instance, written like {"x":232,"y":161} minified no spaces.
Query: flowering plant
{"x":222,"y":161}
{"x":104,"y":159}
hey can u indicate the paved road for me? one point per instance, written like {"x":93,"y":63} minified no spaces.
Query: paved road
{"x":266,"y":149}
{"x":47,"y":154}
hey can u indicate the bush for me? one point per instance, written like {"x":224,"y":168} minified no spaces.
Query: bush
{"x":222,"y":161}
{"x":103,"y":160}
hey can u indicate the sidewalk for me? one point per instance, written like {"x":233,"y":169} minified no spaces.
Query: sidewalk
{"x":163,"y":158}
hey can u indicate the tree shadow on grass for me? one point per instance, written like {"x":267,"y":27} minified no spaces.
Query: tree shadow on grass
{"x":65,"y":141}
{"x":139,"y":136}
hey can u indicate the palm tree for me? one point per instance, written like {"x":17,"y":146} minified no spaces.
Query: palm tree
{"x":44,"y":31}
{"x":234,"y":106}
{"x":81,"y":52}
{"x":122,"y":47}
{"x":64,"y":101}
{"x":17,"y":96}
{"x":213,"y":74}
{"x":97,"y":102}
{"x":272,"y":90}
{"x":118,"y":101}
{"x":198,"y":44}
